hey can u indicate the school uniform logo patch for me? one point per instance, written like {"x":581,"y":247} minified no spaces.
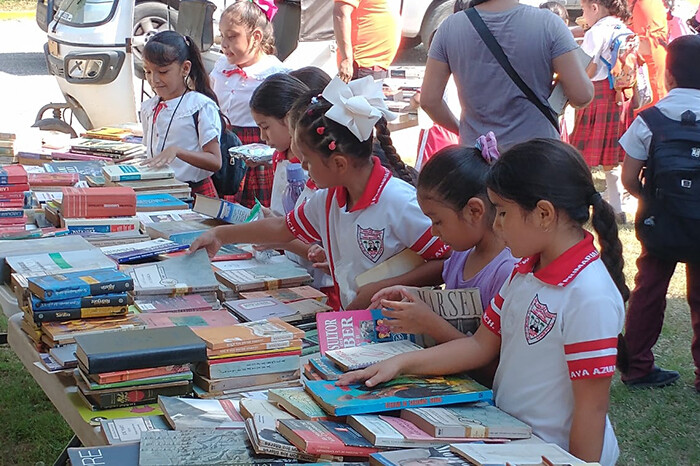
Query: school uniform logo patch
{"x":371,"y":242}
{"x":538,"y":321}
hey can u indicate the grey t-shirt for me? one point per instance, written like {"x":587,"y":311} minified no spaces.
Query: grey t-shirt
{"x":531,"y":38}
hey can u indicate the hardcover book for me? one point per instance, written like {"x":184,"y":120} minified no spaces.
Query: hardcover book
{"x":52,"y":179}
{"x":315,"y":438}
{"x":249,"y":333}
{"x":98,"y":202}
{"x":188,"y":319}
{"x":59,"y":315}
{"x":359,"y":357}
{"x":249,"y":365}
{"x":128,"y":384}
{"x":125,"y":253}
{"x":128,"y":430}
{"x":13,"y":174}
{"x":472,"y":420}
{"x":186,"y":303}
{"x":297,"y":402}
{"x":112,"y":455}
{"x":99,"y":400}
{"x":174,"y":276}
{"x":158,"y":203}
{"x":248,"y":310}
{"x":229,"y":212}
{"x":288,"y":295}
{"x":100,"y":225}
{"x":124,"y":172}
{"x":190,"y":413}
{"x":514,"y":453}
{"x":401,"y":392}
{"x":139,"y":349}
{"x":79,"y":284}
{"x":345,"y":329}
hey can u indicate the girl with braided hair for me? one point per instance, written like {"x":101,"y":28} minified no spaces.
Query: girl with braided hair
{"x":361,"y":214}
{"x":556,"y":320}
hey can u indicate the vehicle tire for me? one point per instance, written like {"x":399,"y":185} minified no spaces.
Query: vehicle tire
{"x":433,"y":18}
{"x":149,"y":19}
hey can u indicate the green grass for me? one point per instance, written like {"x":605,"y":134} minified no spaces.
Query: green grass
{"x":654,"y":427}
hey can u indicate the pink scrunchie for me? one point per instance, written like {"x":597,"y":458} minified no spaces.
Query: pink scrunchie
{"x":488,"y":146}
{"x":268,"y":7}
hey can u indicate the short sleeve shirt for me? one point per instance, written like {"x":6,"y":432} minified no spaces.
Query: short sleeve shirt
{"x":596,"y":43}
{"x":531,"y":39}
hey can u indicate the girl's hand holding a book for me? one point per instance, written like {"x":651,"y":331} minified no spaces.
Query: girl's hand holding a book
{"x":163,"y":159}
{"x":376,"y":373}
{"x":410,"y":315}
{"x":209,"y":241}
{"x":317,"y":255}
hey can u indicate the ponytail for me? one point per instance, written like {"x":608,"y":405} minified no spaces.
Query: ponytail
{"x":392,"y":157}
{"x":198,"y":76}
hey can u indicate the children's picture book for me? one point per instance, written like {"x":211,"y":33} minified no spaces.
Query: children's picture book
{"x":139,"y":349}
{"x":323,"y":438}
{"x":471,"y":420}
{"x":432,"y":455}
{"x":185,"y":303}
{"x":79,"y":284}
{"x":159,"y":202}
{"x":132,"y":252}
{"x":401,"y":392}
{"x":345,"y":329}
{"x":126,"y":172}
{"x":248,"y":310}
{"x":174,"y":276}
{"x":288,"y":295}
{"x":188,"y":319}
{"x":514,"y":453}
{"x":111,"y":455}
{"x":229,"y":212}
{"x":128,"y":430}
{"x":359,"y":357}
{"x":249,"y":333}
{"x":297,"y":402}
{"x":191,"y":413}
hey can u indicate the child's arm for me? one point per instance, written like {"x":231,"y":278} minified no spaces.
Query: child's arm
{"x":591,"y":401}
{"x":449,"y":358}
{"x":209,"y":158}
{"x":437,"y":74}
{"x":631,"y":169}
{"x":267,"y":230}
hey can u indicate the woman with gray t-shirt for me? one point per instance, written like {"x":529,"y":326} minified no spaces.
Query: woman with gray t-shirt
{"x":537,"y":44}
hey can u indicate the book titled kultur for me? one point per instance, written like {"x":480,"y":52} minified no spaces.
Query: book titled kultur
{"x":139,"y":349}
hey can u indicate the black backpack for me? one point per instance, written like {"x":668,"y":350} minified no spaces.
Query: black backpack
{"x":228,"y":179}
{"x":668,"y":217}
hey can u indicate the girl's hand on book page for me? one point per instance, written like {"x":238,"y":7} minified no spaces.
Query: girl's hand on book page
{"x":208,"y":241}
{"x":374,"y":374}
{"x":410,"y":315}
{"x":163,"y":159}
{"x":317,"y":255}
{"x":391,"y":293}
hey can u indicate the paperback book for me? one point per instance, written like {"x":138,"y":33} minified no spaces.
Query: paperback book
{"x":514,"y":453}
{"x":137,"y":374}
{"x":80,"y":284}
{"x":221,"y":209}
{"x":65,"y":332}
{"x":112,"y":455}
{"x":288,"y":295}
{"x":430,"y":455}
{"x":59,"y":315}
{"x":249,"y":365}
{"x":264,"y":277}
{"x":188,"y":319}
{"x":247,"y":382}
{"x":98,"y":202}
{"x":249,"y":333}
{"x":128,"y":430}
{"x":126,"y":253}
{"x":174,"y":276}
{"x":159,"y":202}
{"x":185,"y":303}
{"x":325,"y":438}
{"x":401,"y":392}
{"x":248,"y":310}
{"x":359,"y":357}
{"x":131,"y":396}
{"x":51,"y":263}
{"x":191,"y":413}
{"x":298,"y":403}
{"x":124,"y":172}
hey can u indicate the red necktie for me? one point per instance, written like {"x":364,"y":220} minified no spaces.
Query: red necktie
{"x":239,"y":71}
{"x":161,"y":105}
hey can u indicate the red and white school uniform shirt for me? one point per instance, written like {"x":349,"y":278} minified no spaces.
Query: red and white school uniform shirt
{"x":557,"y":325}
{"x":382,"y":223}
{"x":234,"y":86}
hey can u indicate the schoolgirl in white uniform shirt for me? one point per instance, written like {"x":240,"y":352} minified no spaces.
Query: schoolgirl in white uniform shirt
{"x":557,"y":319}
{"x":174,"y":70}
{"x":361,"y":214}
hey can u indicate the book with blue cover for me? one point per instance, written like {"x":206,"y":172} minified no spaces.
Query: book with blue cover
{"x":115,"y":455}
{"x":399,"y":393}
{"x":126,"y":172}
{"x":79,"y":284}
{"x":132,"y":252}
{"x":113,"y":299}
{"x":159,"y":202}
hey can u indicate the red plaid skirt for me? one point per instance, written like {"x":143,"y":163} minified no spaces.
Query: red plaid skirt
{"x":204,"y":187}
{"x":599,"y":126}
{"x":258,"y":181}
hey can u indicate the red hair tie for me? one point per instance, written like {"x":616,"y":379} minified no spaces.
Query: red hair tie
{"x":320,"y":130}
{"x":331,"y":146}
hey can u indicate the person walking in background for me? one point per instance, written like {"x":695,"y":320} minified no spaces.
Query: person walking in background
{"x":489,"y":98}
{"x":368,"y":33}
{"x":649,"y":22}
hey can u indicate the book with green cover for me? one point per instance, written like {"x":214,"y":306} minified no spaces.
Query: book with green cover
{"x":297,"y":402}
{"x":401,"y":392}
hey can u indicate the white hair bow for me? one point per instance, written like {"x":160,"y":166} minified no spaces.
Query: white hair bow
{"x":357,"y":105}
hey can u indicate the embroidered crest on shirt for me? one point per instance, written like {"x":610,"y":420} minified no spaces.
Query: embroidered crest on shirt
{"x":695,"y":152}
{"x":371,"y":242}
{"x":538,"y":321}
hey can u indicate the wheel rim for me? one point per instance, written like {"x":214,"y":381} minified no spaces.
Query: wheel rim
{"x":146,"y":28}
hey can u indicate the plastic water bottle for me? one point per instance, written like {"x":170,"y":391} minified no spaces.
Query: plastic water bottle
{"x":296,"y":180}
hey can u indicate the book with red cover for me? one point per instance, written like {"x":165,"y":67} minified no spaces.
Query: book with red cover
{"x":13,"y":174}
{"x":136,"y":374}
{"x":53,"y":179}
{"x":14,"y":188}
{"x":325,"y":438}
{"x":98,"y":202}
{"x":59,"y":155}
{"x":13,"y":221}
{"x":12,"y":196}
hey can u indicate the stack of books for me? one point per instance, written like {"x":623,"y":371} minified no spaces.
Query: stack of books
{"x":248,"y":356}
{"x":51,"y":182}
{"x":13,"y":184}
{"x":117,"y":370}
{"x":101,"y":149}
{"x":7,"y":148}
{"x":256,"y":275}
{"x":296,"y":312}
{"x":110,"y":133}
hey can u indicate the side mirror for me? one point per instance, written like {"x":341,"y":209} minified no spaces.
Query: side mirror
{"x":195,"y":19}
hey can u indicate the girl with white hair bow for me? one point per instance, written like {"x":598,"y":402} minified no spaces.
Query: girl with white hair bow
{"x":361,"y":214}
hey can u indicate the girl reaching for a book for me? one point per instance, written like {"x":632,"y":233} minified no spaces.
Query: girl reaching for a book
{"x":557,"y":318}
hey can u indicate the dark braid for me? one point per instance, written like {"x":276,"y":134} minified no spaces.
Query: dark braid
{"x":397,"y":165}
{"x":617,"y":8}
{"x":603,"y":221}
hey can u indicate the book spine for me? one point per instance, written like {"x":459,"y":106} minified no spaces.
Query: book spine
{"x":131,"y":256}
{"x":126,"y":398}
{"x":79,"y":290}
{"x":378,"y":406}
{"x":137,"y":359}
{"x":60,"y":315}
{"x":14,"y":188}
{"x":124,"y":376}
{"x":251,"y":367}
{"x":101,"y":228}
{"x":286,"y":345}
{"x":110,"y":300}
{"x":11,"y":213}
{"x":133,"y":383}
